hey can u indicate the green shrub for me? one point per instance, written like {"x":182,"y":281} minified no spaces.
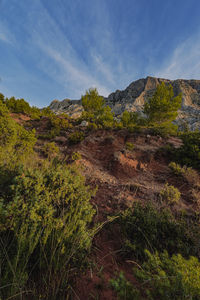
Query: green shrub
{"x":76,"y":156}
{"x":170,"y":278}
{"x":145,"y":227}
{"x":124,"y":288}
{"x":130,"y":119}
{"x":162,"y":277}
{"x":44,"y":218}
{"x":50,"y":150}
{"x":16,"y":143}
{"x":189,"y":153}
{"x":170,"y":194}
{"x":76,"y":137}
{"x":189,"y":174}
{"x":129,"y":146}
{"x":176,"y":168}
{"x":164,"y":130}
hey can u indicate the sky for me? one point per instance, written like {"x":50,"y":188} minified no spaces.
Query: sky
{"x":57,"y":49}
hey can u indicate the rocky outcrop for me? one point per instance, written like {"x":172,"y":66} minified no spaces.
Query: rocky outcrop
{"x":135,"y":95}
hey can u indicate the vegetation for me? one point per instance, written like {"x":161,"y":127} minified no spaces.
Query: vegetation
{"x":95,"y":110}
{"x":46,"y":216}
{"x":145,"y":227}
{"x":163,"y":106}
{"x":129,"y":146}
{"x":170,"y":194}
{"x":189,"y":153}
{"x":76,"y":137}
{"x":162,"y":277}
{"x":50,"y":150}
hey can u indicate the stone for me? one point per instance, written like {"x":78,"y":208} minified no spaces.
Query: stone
{"x":84,"y":124}
{"x":137,"y":93}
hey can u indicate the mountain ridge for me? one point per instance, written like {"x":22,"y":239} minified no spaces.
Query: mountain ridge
{"x":138,"y":92}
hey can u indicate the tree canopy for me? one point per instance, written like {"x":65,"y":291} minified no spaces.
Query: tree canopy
{"x":163,"y":106}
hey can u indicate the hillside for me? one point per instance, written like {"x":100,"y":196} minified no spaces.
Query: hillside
{"x":96,"y":212}
{"x":136,"y":94}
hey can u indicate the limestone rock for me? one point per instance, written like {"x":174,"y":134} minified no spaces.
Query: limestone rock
{"x":138,"y":92}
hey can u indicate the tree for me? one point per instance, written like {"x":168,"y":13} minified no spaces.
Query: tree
{"x":92,"y":102}
{"x":95,"y":109}
{"x":163,"y":106}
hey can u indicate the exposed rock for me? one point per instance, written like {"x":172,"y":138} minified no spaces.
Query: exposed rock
{"x":138,"y":92}
{"x":84,"y":124}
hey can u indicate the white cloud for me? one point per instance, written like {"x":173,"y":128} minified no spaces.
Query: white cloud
{"x":184,"y":62}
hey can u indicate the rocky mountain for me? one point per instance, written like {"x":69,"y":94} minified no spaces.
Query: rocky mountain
{"x":135,"y":95}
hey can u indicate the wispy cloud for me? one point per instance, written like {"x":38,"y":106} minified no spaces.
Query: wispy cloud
{"x":184,"y":61}
{"x":5,"y":35}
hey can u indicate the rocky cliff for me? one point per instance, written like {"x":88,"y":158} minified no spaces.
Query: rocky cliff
{"x":135,"y":95}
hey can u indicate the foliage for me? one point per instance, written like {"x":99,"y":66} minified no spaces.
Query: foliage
{"x":129,"y":146}
{"x":124,"y":288}
{"x":15,"y":142}
{"x":170,"y":194}
{"x":163,"y":106}
{"x":76,"y":156}
{"x":95,"y":110}
{"x":170,"y":278}
{"x":76,"y":137}
{"x":132,"y":119}
{"x":165,"y":129}
{"x":21,"y":106}
{"x":44,"y":217}
{"x":189,"y":153}
{"x":145,"y":227}
{"x":189,"y":174}
{"x":50,"y":150}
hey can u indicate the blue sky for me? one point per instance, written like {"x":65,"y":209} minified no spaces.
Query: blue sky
{"x":56,"y":49}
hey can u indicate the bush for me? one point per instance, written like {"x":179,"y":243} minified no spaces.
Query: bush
{"x":129,"y":146}
{"x":170,"y":194}
{"x":76,"y":137}
{"x":176,"y":169}
{"x":76,"y":156}
{"x":189,"y":153}
{"x":132,"y":119}
{"x":170,"y":278}
{"x":44,"y":218}
{"x":50,"y":150}
{"x":165,"y":130}
{"x":16,"y":143}
{"x":124,"y":288}
{"x":145,"y":227}
{"x":189,"y":174}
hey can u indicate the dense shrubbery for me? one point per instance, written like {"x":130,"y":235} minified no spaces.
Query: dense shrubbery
{"x":189,"y":153}
{"x":145,"y":227}
{"x":43,"y":227}
{"x":44,"y":216}
{"x":76,"y":137}
{"x":165,"y":251}
{"x":21,"y":106}
{"x":162,"y":277}
{"x":16,"y":143}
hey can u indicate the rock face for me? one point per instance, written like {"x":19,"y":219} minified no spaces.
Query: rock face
{"x":138,"y":92}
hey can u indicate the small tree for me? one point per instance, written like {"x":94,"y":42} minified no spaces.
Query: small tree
{"x":163,"y":106}
{"x":95,"y":109}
